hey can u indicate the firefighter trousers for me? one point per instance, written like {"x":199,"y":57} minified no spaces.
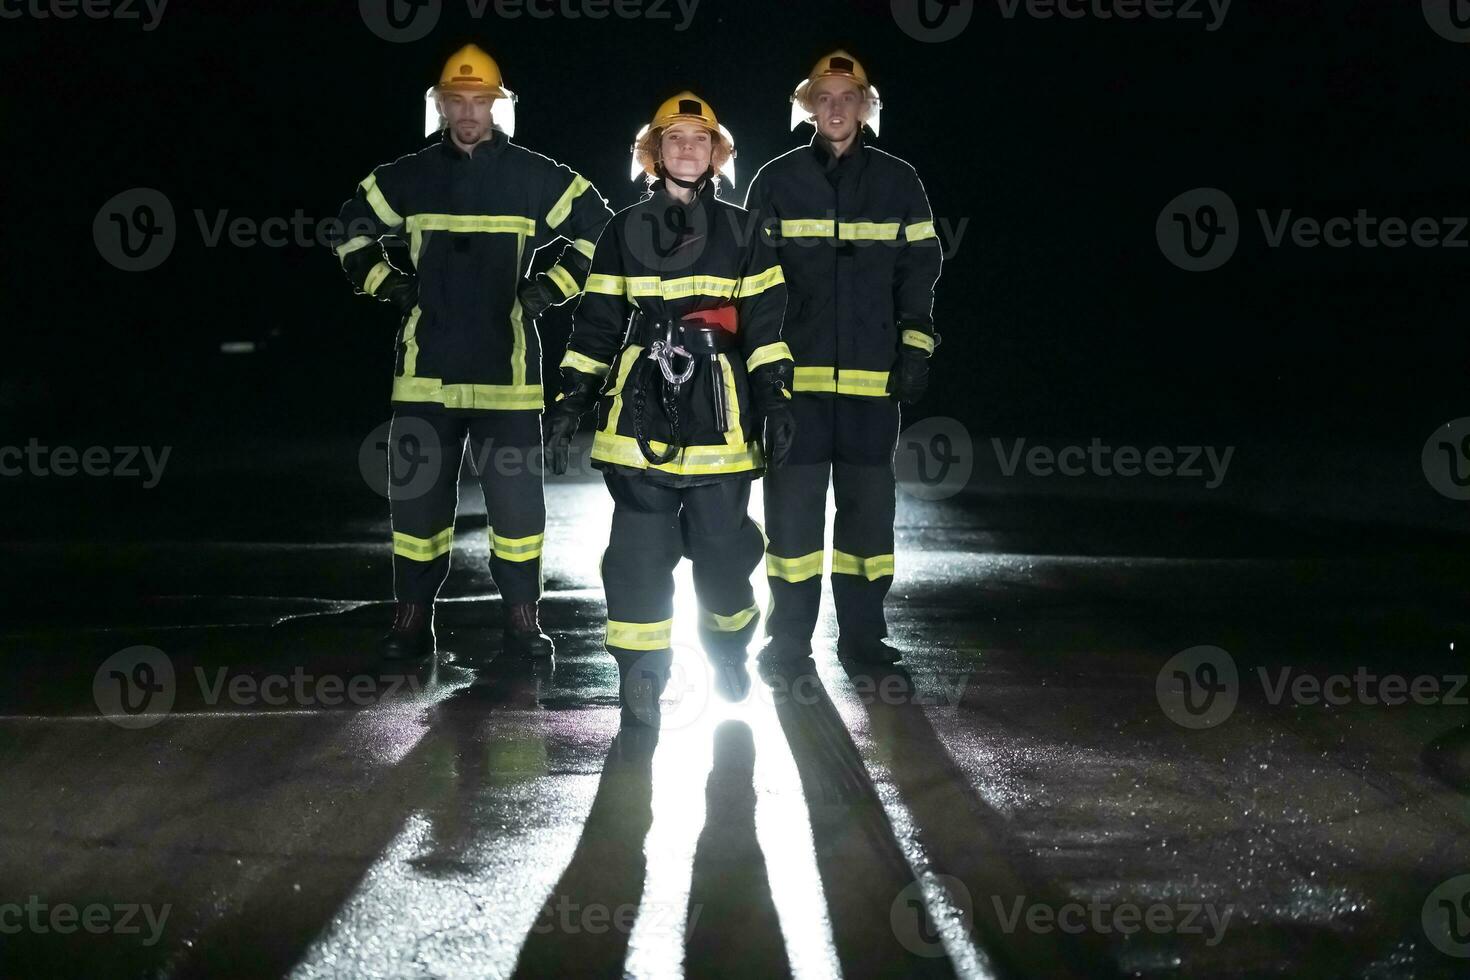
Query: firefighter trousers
{"x":425,"y":449}
{"x":653,"y":526}
{"x":851,"y":441}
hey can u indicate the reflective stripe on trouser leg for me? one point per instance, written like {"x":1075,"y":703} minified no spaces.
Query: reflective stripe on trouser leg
{"x":796,"y":521}
{"x":862,"y":532}
{"x":725,"y":547}
{"x":638,"y":565}
{"x":423,"y":490}
{"x":506,"y":448}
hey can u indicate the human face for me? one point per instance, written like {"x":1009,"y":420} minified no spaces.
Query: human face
{"x":839,"y":108}
{"x":686,"y":150}
{"x":468,"y":115}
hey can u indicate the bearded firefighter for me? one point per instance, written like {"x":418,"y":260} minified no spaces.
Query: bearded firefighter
{"x":677,"y":341}
{"x":474,"y":208}
{"x":857,"y":246}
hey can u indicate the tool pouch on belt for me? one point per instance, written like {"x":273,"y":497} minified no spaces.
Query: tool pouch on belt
{"x":680,"y":388}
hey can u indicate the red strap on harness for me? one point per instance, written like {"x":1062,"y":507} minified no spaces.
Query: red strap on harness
{"x":723,"y":317}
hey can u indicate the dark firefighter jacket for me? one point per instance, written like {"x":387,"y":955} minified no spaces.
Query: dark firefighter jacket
{"x":472,"y":222}
{"x":857,"y":245}
{"x":668,"y":259}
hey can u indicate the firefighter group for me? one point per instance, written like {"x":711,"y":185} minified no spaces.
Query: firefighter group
{"x":716,"y":344}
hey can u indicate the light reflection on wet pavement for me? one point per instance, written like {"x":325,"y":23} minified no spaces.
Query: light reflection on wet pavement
{"x":1020,"y":777}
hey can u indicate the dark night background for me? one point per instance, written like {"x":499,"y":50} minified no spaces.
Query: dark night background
{"x":1056,"y":141}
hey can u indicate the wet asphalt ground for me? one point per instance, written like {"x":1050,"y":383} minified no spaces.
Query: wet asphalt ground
{"x":1156,"y":737}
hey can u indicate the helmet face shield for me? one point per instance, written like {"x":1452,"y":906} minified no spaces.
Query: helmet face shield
{"x":502,"y":112}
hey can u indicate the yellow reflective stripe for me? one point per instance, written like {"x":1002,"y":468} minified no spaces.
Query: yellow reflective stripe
{"x":563,"y":206}
{"x":727,"y":624}
{"x":584,"y":246}
{"x":766,"y":353}
{"x":862,"y":382}
{"x":814,"y":379}
{"x":353,"y":244}
{"x":487,"y":223}
{"x":563,"y":280}
{"x":629,"y":358}
{"x":868,"y":231}
{"x":639,"y":636}
{"x":734,"y":432}
{"x":606,"y":285}
{"x":501,"y":397}
{"x":754,"y":285}
{"x":870,"y":568}
{"x":581,"y":362}
{"x":518,"y":329}
{"x":807,"y":228}
{"x":919,"y":339}
{"x":919,"y":231}
{"x":375,"y":277}
{"x":411,"y":343}
{"x":608,"y":447}
{"x":716,"y":286}
{"x":379,"y":203}
{"x":846,"y":382}
{"x":794,"y":569}
{"x":423,"y":549}
{"x":517,"y":549}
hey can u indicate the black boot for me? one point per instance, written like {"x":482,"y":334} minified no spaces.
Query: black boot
{"x":868,"y":650}
{"x":642,"y":678}
{"x":411,"y":636}
{"x":523,"y":636}
{"x":785,"y":649}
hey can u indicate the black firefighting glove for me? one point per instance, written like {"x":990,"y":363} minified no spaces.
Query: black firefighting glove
{"x":770,"y":392}
{"x":400,"y":291}
{"x":538,"y":295}
{"x":579,"y":391}
{"x":909,"y":378}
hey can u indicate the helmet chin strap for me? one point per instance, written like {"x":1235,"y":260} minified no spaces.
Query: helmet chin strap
{"x":658,"y":168}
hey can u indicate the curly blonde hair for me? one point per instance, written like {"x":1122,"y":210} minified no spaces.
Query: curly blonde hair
{"x":649,"y":147}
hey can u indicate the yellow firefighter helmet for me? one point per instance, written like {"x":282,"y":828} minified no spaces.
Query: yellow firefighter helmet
{"x":471,"y":69}
{"x":686,"y":107}
{"x":838,"y":64}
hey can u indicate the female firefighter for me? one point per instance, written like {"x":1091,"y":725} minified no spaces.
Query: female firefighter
{"x":679,"y":331}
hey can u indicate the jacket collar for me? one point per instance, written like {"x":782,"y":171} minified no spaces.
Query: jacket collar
{"x":851,"y":161}
{"x":484,"y":150}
